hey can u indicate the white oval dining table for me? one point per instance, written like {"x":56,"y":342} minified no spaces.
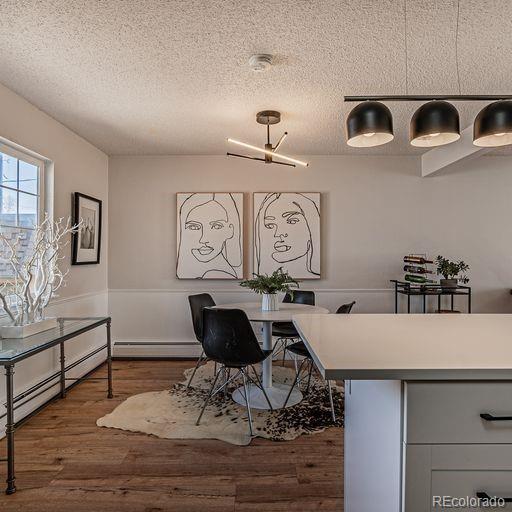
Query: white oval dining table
{"x":276,"y":392}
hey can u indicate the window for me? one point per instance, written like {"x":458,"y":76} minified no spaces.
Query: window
{"x":20,"y":189}
{"x":21,"y":202}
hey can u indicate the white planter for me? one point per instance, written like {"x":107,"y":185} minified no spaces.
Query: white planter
{"x":23,"y":331}
{"x":269,"y":302}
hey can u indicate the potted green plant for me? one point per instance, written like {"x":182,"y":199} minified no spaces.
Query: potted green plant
{"x":269,"y":285}
{"x":451,"y":272}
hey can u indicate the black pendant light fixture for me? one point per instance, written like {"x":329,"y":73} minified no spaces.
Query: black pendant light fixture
{"x":434,"y":124}
{"x":493,"y":125}
{"x":369,"y":124}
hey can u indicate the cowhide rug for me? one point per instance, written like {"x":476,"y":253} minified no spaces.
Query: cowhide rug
{"x":172,"y":413}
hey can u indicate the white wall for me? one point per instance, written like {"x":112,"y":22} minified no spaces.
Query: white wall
{"x":374,"y":210}
{"x":78,"y":167}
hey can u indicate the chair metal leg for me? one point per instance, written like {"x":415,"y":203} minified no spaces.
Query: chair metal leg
{"x":195,"y":369}
{"x":332,"y":401}
{"x":223,"y":380}
{"x":227,"y":373}
{"x":210,"y":394}
{"x":279,"y":341}
{"x":277,"y":349}
{"x":247,"y":400}
{"x":309,"y":375}
{"x":285,"y":346}
{"x":225,"y":384}
{"x":294,"y":382}
{"x":260,"y":385}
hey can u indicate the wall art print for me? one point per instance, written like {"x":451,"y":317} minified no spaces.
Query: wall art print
{"x":86,"y":240}
{"x":287,"y":233}
{"x":209,"y":235}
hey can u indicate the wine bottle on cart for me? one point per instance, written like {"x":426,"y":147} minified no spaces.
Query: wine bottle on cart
{"x":417,"y":279}
{"x":417,"y":270}
{"x":419,"y":260}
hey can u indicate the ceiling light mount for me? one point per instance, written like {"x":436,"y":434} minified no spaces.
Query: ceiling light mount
{"x":268,"y":118}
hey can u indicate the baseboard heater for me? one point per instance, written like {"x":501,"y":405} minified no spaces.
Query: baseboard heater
{"x":147,"y":343}
{"x":156,"y":350}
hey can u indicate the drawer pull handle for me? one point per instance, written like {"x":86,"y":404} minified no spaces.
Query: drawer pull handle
{"x":484,"y":496}
{"x":489,"y":417}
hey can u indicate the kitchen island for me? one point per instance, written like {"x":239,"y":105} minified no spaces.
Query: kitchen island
{"x":428,"y":406}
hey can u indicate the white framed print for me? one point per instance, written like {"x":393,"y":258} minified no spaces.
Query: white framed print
{"x":209,"y":237}
{"x":287,"y":233}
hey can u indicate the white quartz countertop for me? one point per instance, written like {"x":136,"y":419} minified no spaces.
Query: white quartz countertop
{"x":410,"y":347}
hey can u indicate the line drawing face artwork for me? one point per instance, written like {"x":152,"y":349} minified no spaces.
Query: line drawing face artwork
{"x":209,"y":235}
{"x":287,"y":233}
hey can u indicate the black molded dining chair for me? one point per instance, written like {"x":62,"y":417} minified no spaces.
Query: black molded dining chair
{"x":197,"y":304}
{"x":345,"y":309}
{"x":300,"y":349}
{"x":285,"y":331}
{"x":230,"y":341}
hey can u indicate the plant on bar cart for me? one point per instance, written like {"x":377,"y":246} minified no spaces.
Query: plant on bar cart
{"x":269,"y":285}
{"x":451,"y":272}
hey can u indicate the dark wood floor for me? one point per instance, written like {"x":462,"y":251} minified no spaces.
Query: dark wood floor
{"x":67,"y":464}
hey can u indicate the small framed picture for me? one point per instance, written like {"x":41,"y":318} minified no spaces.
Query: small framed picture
{"x":87,"y":239}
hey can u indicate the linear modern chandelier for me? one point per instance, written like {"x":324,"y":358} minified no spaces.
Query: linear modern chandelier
{"x":268,"y":117}
{"x":434,"y":123}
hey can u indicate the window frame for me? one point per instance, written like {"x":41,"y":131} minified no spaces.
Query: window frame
{"x":40,"y":163}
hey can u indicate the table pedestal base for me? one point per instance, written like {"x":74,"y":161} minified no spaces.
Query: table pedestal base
{"x":276,"y":394}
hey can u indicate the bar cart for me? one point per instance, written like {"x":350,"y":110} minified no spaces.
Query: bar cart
{"x":427,"y":290}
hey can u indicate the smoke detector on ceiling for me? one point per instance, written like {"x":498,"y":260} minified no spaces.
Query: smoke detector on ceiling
{"x":260,"y":62}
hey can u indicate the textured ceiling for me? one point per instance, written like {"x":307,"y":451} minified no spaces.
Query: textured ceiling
{"x":171,"y":77}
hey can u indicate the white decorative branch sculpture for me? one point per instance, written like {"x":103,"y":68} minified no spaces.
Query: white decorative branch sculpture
{"x":36,"y":275}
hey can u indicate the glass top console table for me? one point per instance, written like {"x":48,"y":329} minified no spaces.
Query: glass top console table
{"x":13,"y":351}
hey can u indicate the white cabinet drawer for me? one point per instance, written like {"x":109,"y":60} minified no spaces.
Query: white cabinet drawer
{"x":449,"y":412}
{"x":457,"y":471}
{"x":464,"y":485}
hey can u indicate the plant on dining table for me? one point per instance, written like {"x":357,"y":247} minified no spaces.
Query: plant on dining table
{"x":278,"y":281}
{"x":269,"y":285}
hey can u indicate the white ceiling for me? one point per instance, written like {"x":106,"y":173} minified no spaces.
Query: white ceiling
{"x":171,"y":77}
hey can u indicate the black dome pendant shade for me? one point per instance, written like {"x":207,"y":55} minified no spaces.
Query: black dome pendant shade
{"x":369,"y":124}
{"x":493,"y":125}
{"x":434,"y":124}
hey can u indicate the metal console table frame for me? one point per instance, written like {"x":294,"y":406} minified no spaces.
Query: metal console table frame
{"x":15,"y":350}
{"x":428,"y":290}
